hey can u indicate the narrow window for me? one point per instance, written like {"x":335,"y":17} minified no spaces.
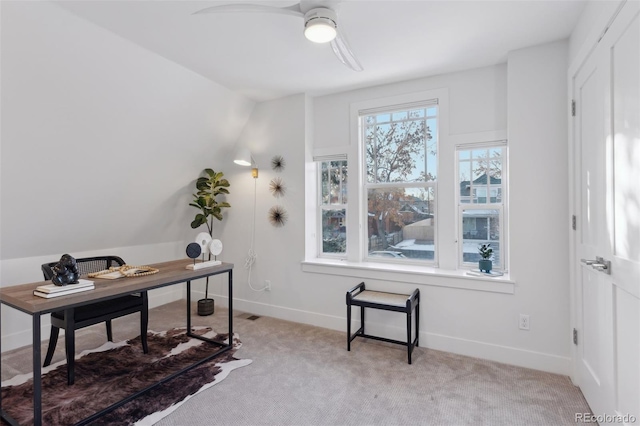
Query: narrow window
{"x":481,"y":202}
{"x":333,"y":207}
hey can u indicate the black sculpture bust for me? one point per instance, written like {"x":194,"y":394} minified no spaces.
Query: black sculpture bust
{"x":65,"y":271}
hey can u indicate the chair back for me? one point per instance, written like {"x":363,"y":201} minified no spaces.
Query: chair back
{"x":86,"y":265}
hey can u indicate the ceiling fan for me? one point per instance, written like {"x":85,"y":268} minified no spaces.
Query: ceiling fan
{"x":320,"y":25}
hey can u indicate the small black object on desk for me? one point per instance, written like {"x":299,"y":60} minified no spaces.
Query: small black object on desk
{"x":65,"y":271}
{"x":193,"y":251}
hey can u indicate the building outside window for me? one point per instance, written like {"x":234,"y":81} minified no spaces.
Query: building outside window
{"x":481,"y":202}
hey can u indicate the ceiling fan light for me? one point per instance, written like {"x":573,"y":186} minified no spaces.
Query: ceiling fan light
{"x":320,"y":30}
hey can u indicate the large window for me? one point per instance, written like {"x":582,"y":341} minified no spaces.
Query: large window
{"x":481,"y":201}
{"x":333,"y":207}
{"x":418,"y":196}
{"x":399,"y":175}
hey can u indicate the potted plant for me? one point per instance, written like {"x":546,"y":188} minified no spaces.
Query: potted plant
{"x":486,"y":252}
{"x":209,"y":187}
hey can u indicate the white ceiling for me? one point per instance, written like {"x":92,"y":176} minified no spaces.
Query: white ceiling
{"x":265,"y":56}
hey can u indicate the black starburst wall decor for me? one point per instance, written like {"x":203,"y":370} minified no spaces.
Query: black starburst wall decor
{"x":278,"y":163}
{"x":277,"y":187}
{"x":278,"y":216}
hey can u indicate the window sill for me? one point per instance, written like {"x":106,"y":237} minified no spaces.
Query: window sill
{"x":415,"y":274}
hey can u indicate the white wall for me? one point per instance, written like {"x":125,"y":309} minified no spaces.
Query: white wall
{"x":101,"y":144}
{"x":274,"y":128}
{"x":539,"y":196}
{"x":476,"y":323}
{"x":478,"y":100}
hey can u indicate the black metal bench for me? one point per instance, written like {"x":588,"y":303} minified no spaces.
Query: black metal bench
{"x":359,"y":296}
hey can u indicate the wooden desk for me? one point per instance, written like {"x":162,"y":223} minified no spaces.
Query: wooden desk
{"x":21,"y":297}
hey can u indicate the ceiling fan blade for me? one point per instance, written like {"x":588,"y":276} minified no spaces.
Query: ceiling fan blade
{"x":344,"y":53}
{"x":252,"y":8}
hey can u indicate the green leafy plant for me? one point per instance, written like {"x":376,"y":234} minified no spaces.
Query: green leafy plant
{"x":209,"y":187}
{"x":485,"y":251}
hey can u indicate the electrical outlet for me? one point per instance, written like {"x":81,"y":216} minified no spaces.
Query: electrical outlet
{"x":524,"y":322}
{"x":267,"y":285}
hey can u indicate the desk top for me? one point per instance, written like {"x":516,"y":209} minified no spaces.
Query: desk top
{"x":21,"y":296}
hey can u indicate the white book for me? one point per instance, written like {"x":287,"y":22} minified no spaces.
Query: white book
{"x":52,"y":288}
{"x":63,"y":293}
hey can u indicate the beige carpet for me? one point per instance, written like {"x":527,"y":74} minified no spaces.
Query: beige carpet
{"x":303,"y":375}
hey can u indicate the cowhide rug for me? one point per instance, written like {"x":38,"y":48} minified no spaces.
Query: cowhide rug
{"x":114,"y":371}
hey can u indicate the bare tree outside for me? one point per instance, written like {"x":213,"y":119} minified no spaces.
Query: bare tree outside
{"x":399,"y":151}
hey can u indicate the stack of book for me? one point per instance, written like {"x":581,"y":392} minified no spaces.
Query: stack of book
{"x":51,"y":290}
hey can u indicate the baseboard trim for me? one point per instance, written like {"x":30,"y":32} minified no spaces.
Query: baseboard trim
{"x":499,"y":353}
{"x":476,"y":349}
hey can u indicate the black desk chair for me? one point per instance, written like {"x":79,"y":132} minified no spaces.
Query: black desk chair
{"x":93,"y":313}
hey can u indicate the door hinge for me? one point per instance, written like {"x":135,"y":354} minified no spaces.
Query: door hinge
{"x":575,"y":336}
{"x":573,"y":108}
{"x":574,"y":222}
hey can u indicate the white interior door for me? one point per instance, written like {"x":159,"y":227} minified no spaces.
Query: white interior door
{"x":595,"y":315}
{"x":622,"y":116}
{"x":607,"y":190}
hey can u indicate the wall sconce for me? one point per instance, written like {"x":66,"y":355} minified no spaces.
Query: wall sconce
{"x":243,"y":158}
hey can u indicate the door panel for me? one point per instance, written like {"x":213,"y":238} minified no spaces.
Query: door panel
{"x":625,"y":65}
{"x":623,"y":189}
{"x":607,"y":200}
{"x":628,"y":340}
{"x":595,"y":305}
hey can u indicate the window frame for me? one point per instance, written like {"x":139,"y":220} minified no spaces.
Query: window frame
{"x":321,"y":207}
{"x":429,"y":101}
{"x":501,"y":207}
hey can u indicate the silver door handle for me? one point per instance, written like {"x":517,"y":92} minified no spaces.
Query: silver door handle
{"x":599,"y":264}
{"x":603,"y":266}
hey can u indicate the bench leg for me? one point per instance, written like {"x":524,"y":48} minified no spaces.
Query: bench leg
{"x":409,"y":346}
{"x":348,"y":327}
{"x":418,"y":322}
{"x":362,"y":319}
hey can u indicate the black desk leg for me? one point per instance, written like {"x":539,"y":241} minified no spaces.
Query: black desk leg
{"x":188,"y":308}
{"x":37,"y":372}
{"x":231,"y":307}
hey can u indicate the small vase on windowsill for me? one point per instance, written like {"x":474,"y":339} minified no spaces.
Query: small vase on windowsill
{"x":485,"y":264}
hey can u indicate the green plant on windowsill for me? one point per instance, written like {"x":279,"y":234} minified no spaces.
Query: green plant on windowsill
{"x":486,"y":253}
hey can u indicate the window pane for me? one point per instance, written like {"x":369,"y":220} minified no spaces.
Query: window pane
{"x":334,"y":233}
{"x":483,"y":174}
{"x":334,"y":182}
{"x":402,"y":150}
{"x":464,"y":172}
{"x":480,"y":227}
{"x":402,"y":115}
{"x":401,"y":223}
{"x":432,"y":150}
{"x":417,"y":113}
{"x":324,"y":182}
